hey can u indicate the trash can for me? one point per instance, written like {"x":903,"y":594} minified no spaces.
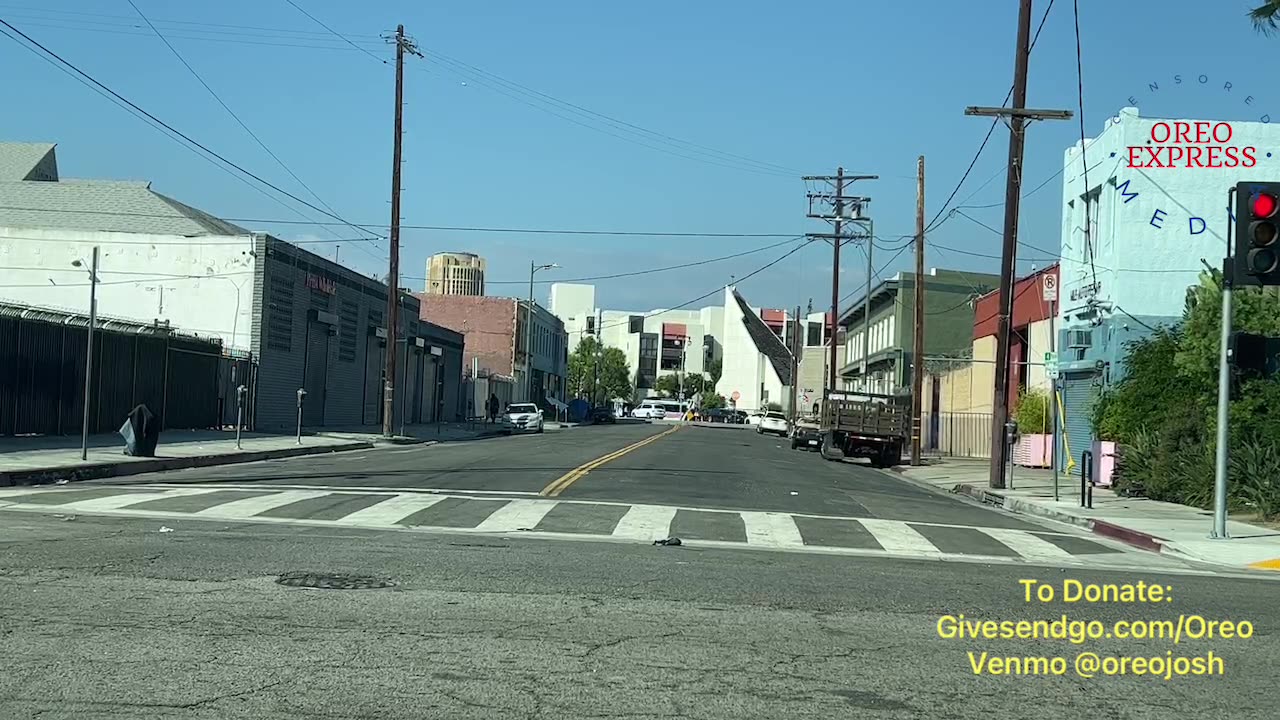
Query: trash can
{"x":141,"y":431}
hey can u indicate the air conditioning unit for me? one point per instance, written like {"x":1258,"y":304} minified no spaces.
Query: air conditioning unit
{"x":1079,"y":338}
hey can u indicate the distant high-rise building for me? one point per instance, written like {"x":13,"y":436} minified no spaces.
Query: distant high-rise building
{"x":453,"y":273}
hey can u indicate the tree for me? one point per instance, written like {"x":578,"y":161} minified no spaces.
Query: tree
{"x":1266,"y":17}
{"x":712,"y":401}
{"x":611,"y":379}
{"x":671,"y":385}
{"x":666,"y":385}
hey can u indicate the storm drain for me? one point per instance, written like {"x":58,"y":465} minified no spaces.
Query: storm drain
{"x":323,"y":581}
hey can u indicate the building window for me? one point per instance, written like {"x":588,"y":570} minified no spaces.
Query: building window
{"x":814,"y":338}
{"x":636,"y":324}
{"x":591,"y":325}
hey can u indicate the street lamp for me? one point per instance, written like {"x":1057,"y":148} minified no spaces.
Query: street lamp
{"x":88,"y":354}
{"x":528,"y":330}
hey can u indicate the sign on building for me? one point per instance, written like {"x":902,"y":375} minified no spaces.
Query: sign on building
{"x":1049,"y":287}
{"x":322,"y":284}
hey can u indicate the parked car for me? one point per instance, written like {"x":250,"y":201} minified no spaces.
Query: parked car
{"x":649,"y":411}
{"x":737,"y":417}
{"x":523,"y":417}
{"x":806,"y":434}
{"x":773,"y":422}
{"x":754,"y":419}
{"x":603,"y":416}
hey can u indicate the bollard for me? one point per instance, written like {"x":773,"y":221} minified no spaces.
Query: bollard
{"x":1086,"y":479}
{"x":240,"y":393}
{"x":301,"y":394}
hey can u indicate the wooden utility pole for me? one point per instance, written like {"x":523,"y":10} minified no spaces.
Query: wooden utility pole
{"x":1017,"y":115}
{"x":393,"y":272}
{"x":797,"y":346}
{"x":917,"y":353}
{"x":837,"y":217}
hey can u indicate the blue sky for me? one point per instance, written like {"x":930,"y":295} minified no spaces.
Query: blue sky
{"x":802,"y":87}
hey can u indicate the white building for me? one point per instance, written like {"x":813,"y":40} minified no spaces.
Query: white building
{"x":1152,"y":231}
{"x":667,"y":341}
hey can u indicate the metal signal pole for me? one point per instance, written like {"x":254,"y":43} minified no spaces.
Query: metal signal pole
{"x":1017,"y":115}
{"x":403,"y":44}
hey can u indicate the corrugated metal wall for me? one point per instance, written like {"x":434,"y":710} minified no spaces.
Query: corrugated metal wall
{"x":1079,"y":391}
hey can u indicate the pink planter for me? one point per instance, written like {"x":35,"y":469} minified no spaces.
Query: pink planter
{"x":1034,"y":451}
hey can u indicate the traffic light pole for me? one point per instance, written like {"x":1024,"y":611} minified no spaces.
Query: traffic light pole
{"x":1224,"y":389}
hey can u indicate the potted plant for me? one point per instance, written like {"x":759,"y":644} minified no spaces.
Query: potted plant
{"x":1035,"y":443}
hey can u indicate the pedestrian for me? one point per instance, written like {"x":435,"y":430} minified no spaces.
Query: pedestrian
{"x":494,"y":404}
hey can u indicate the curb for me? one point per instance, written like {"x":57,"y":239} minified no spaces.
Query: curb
{"x":1138,"y":539}
{"x":123,"y":469}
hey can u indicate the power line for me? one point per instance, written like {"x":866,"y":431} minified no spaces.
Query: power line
{"x":161,"y":278}
{"x":804,"y":244}
{"x":185,"y":242}
{"x":169,"y":127}
{"x":1084,"y":142}
{"x":990,"y":130}
{"x":128,"y":21}
{"x":335,"y":32}
{"x":231,"y":112}
{"x":532,"y":98}
{"x":451,"y":228}
{"x":636,"y":272}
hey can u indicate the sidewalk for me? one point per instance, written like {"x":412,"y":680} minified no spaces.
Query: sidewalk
{"x":424,"y":433}
{"x":1149,"y":524}
{"x":43,"y":459}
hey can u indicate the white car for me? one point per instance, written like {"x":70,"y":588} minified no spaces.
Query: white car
{"x":523,"y":417}
{"x":773,"y":422}
{"x":649,"y":411}
{"x":754,"y":419}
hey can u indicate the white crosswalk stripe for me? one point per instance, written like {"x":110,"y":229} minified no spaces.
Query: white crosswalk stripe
{"x":390,"y":511}
{"x":771,"y":529}
{"x":516,"y":515}
{"x":248,"y":507}
{"x":898,"y":537}
{"x":643,"y":523}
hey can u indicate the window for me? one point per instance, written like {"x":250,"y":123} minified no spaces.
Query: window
{"x":591,"y":325}
{"x":814,"y":338}
{"x":636,"y":324}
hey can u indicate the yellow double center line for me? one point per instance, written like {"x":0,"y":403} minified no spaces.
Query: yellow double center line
{"x":559,"y":485}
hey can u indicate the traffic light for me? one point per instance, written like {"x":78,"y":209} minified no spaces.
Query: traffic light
{"x":1256,"y":259}
{"x":1255,"y":354}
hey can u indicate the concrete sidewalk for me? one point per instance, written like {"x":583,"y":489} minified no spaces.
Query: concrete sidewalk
{"x":43,"y":459}
{"x":424,"y":433}
{"x":1148,"y":524}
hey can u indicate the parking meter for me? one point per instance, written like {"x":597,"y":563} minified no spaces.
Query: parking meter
{"x":301,"y":394}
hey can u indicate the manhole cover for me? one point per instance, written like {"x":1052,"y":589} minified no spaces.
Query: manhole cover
{"x":322,"y":581}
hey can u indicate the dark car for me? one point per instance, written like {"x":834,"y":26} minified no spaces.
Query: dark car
{"x":715,"y":415}
{"x":603,"y":416}
{"x":806,"y":435}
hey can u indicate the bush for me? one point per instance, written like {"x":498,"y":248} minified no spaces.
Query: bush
{"x":712,"y":401}
{"x":1255,"y":478}
{"x":1135,"y":464}
{"x":1033,"y":413}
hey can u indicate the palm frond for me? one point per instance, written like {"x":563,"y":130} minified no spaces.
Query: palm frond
{"x":1266,"y":17}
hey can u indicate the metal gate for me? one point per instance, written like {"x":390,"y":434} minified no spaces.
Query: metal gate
{"x":315,"y":376}
{"x":1079,"y":392}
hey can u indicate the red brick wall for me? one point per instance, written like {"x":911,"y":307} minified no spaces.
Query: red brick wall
{"x":1028,"y":305}
{"x":487,"y":322}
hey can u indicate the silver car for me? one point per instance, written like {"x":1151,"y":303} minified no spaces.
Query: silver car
{"x":523,"y":417}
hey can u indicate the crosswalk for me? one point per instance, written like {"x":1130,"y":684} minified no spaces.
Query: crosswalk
{"x":553,"y":518}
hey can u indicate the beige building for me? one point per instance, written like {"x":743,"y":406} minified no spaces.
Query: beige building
{"x":455,"y":273}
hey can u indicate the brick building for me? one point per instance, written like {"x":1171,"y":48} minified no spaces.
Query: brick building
{"x":494,"y":332}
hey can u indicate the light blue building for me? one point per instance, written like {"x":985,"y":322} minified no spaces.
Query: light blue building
{"x":1158,"y":213}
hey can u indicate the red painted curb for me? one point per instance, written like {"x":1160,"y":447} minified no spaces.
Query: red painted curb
{"x":1145,"y":541}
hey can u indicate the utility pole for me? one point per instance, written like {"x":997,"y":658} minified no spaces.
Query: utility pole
{"x":917,"y":363}
{"x":838,"y":201}
{"x":1016,"y":115}
{"x":796,"y":348}
{"x":403,"y":44}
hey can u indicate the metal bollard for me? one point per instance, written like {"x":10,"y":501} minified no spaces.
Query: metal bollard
{"x":240,"y":394}
{"x":301,"y":394}
{"x":1086,"y":479}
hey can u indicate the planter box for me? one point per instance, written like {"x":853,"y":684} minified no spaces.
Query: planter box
{"x":1034,"y":451}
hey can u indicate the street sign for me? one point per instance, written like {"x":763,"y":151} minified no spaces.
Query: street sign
{"x":1051,"y":365}
{"x":1049,"y":287}
{"x":735,"y":396}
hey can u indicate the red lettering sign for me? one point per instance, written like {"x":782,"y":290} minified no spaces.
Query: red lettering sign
{"x":322,"y":284}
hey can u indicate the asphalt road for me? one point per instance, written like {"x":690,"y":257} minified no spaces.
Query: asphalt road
{"x":109,"y":617}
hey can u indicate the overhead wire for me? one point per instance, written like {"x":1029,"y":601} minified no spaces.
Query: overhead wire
{"x":337,"y":34}
{"x":236,"y":116}
{"x":209,"y":155}
{"x":1084,"y":142}
{"x":990,"y":132}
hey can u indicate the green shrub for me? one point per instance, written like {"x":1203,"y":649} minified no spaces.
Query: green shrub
{"x":1254,"y":475}
{"x":1033,"y":413}
{"x":1135,"y":464}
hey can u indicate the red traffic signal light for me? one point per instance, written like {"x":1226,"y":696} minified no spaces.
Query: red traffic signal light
{"x":1263,"y":205}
